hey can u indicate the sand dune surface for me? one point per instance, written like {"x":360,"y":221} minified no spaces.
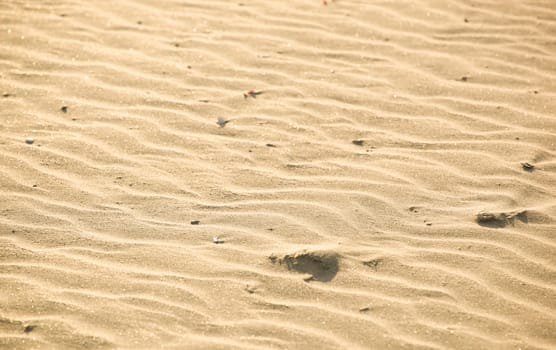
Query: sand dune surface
{"x":383,"y":175}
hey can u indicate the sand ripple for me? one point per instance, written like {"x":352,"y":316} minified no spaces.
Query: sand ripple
{"x":324,"y":243}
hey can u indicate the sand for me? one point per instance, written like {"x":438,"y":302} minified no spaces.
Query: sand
{"x":386,"y":177}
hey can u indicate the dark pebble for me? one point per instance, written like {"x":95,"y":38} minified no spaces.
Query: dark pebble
{"x":29,"y":328}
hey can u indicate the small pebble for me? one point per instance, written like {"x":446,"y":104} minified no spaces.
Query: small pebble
{"x":217,"y":240}
{"x":195,"y":222}
{"x":270,"y":145}
{"x":363,"y":309}
{"x":358,"y":142}
{"x":29,"y":328}
{"x":64,"y":109}
{"x":29,"y":140}
{"x":527,"y":166}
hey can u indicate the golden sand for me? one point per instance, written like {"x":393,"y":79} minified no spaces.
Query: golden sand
{"x":366,"y":192}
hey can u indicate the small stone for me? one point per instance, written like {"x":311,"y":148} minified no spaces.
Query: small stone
{"x":358,"y":142}
{"x":527,"y":166}
{"x":64,"y":109}
{"x":364,"y":309}
{"x":29,"y":140}
{"x":270,"y":145}
{"x":195,"y":222}
{"x":217,"y":240}
{"x":29,"y":328}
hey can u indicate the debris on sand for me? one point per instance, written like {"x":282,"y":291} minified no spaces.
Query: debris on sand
{"x":29,"y":140}
{"x":374,"y":263}
{"x":321,"y":265}
{"x":251,"y":93}
{"x":528,"y":166}
{"x":500,"y":219}
{"x":358,"y":142}
{"x":222,"y":122}
{"x":29,"y":328}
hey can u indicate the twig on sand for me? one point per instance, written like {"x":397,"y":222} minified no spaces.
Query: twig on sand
{"x":251,"y":93}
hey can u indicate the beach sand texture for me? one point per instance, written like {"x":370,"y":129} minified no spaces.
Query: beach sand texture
{"x":393,"y":186}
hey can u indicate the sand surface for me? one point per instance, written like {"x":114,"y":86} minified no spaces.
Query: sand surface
{"x":338,"y":209}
